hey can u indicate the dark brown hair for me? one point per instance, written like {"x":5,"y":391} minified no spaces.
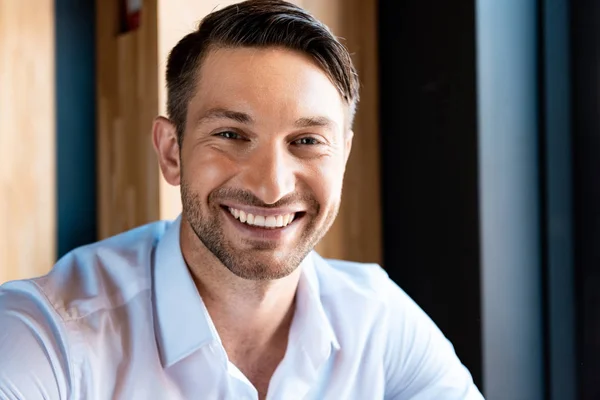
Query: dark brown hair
{"x":256,"y":23}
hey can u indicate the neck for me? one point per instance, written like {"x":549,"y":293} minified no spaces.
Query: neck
{"x":246,"y":313}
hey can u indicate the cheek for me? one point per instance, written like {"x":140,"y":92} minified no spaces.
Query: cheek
{"x":206,"y":170}
{"x":326,"y":183}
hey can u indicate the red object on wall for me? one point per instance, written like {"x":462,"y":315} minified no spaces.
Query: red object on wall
{"x":132,"y":10}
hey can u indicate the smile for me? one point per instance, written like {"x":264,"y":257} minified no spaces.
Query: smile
{"x":262,"y":221}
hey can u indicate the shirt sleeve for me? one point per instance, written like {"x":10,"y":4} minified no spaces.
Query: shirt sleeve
{"x":33,"y":362}
{"x":420,"y":362}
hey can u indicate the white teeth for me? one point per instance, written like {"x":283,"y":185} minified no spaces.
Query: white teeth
{"x":259,"y":220}
{"x":271,"y":221}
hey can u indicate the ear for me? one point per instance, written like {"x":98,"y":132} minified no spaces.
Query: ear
{"x":348,"y":143}
{"x":164,"y":139}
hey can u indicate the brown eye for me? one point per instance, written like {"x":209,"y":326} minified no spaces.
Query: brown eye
{"x":229,"y":135}
{"x":306,"y":141}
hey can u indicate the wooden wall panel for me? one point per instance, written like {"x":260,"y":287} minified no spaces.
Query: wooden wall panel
{"x":27,"y":139}
{"x":127,"y":94}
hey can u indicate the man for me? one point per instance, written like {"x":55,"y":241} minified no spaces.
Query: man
{"x":229,"y":301}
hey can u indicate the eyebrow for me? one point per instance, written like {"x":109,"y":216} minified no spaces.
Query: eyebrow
{"x":243,"y":118}
{"x":310,"y":122}
{"x":223,"y":113}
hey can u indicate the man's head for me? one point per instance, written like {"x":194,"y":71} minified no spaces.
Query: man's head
{"x":260,"y":100}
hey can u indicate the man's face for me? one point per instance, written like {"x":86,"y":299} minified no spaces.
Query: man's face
{"x":262,"y":159}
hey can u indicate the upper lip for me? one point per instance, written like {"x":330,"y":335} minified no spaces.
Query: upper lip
{"x":264,"y":211}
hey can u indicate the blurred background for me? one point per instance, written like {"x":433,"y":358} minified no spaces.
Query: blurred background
{"x":472,"y":178}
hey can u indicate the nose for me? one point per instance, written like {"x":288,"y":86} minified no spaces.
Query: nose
{"x":270,"y":174}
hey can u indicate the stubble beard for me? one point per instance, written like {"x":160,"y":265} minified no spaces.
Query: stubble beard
{"x":261,"y":261}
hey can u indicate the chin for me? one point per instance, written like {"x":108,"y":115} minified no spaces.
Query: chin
{"x":261,"y":271}
{"x":263,"y":264}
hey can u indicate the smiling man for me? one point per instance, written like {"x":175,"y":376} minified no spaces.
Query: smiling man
{"x":230,"y":301}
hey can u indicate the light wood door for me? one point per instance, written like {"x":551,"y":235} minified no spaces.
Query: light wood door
{"x":27,"y":139}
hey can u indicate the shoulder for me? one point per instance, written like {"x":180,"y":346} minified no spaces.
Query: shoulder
{"x":100,"y":275}
{"x":41,"y":317}
{"x":417,"y":358}
{"x":362,"y":294}
{"x":365,"y":282}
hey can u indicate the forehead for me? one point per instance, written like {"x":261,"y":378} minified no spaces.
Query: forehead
{"x":266,"y":82}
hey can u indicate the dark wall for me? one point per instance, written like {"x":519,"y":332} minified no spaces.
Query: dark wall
{"x":585,"y":34}
{"x":429,"y":163}
{"x":556,"y":164}
{"x":76,"y":123}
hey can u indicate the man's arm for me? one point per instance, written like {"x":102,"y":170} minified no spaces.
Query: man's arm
{"x":420,"y":362}
{"x":33,"y":358}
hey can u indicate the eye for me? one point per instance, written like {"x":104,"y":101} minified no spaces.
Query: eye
{"x":306,"y":141}
{"x":229,"y":135}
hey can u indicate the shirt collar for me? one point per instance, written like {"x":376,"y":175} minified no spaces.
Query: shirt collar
{"x":311,"y":324}
{"x":183,"y":324}
{"x":312,"y":338}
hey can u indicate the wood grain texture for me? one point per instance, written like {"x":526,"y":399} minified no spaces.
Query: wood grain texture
{"x":132,"y":191}
{"x":127,"y":102}
{"x":27,"y":139}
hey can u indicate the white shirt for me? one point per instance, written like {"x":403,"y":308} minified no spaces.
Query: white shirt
{"x":122,"y":319}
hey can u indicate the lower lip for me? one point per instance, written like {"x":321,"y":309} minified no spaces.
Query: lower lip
{"x":262,"y":233}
